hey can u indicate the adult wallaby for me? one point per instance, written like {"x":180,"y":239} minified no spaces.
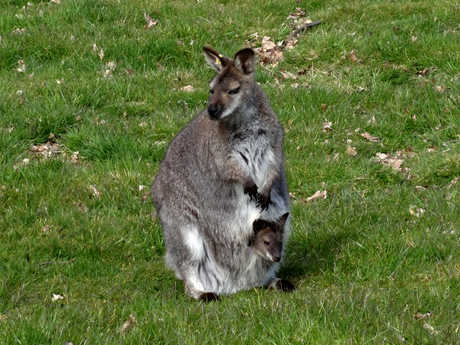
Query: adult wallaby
{"x":221,"y":172}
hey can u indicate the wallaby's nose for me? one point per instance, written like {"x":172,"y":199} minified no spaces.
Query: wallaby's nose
{"x":277,"y":258}
{"x":212,"y":110}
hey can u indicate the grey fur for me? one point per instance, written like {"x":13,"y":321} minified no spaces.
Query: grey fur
{"x":215,"y":173}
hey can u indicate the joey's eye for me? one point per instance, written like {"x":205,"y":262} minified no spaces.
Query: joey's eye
{"x":266,"y":243}
{"x":234,"y":91}
{"x":211,"y":91}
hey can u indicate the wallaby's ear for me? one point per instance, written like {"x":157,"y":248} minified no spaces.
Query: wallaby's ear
{"x":245,"y":61}
{"x":214,"y":59}
{"x":258,"y":225}
{"x":282,"y":220}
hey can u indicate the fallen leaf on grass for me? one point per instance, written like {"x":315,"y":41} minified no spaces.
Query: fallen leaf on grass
{"x":55,"y":1}
{"x":81,"y":207}
{"x":351,"y":151}
{"x":432,"y":149}
{"x":19,"y":31}
{"x":150,"y":21}
{"x":442,"y":89}
{"x":269,"y":52}
{"x":22,"y":66}
{"x":296,"y":15}
{"x":388,"y":159}
{"x":45,"y":228}
{"x":47,"y":149}
{"x":430,"y":329}
{"x":416,"y":211}
{"x":296,"y":85}
{"x":423,"y":72}
{"x":317,"y":195}
{"x":7,"y":130}
{"x":413,"y":39}
{"x":145,"y":197}
{"x":74,"y":158}
{"x":96,"y":193}
{"x":454,"y":181}
{"x":56,"y":297}
{"x":420,"y":316}
{"x":327,"y":126}
{"x":188,"y":88}
{"x":129,"y":324}
{"x":369,"y":137}
{"x":353,"y":57}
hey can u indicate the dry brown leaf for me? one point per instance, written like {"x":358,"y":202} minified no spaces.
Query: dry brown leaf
{"x":22,"y":66}
{"x":317,"y":195}
{"x":145,"y":197}
{"x":269,"y":52}
{"x":416,"y":211}
{"x":454,"y":181}
{"x":296,"y":15}
{"x":55,"y":1}
{"x":150,"y":21}
{"x":96,"y":193}
{"x":353,"y":57}
{"x":369,"y":137}
{"x":432,"y":149}
{"x":413,"y":38}
{"x":351,"y":151}
{"x":420,"y":316}
{"x":81,"y":207}
{"x":129,"y":324}
{"x":391,"y":161}
{"x":291,"y":43}
{"x":101,"y":54}
{"x":47,"y":149}
{"x":430,"y":329}
{"x":188,"y":88}
{"x":327,"y":126}
{"x":74,"y":158}
{"x":56,"y":297}
{"x":423,"y":72}
{"x":45,"y":228}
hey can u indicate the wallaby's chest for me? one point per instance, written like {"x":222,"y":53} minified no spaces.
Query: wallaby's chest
{"x":253,"y":149}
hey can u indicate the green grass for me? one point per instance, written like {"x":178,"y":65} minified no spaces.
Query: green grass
{"x":364,"y":264}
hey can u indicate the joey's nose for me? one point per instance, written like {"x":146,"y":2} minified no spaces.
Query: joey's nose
{"x":212,"y":110}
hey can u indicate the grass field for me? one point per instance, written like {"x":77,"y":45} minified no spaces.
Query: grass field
{"x":90,"y":98}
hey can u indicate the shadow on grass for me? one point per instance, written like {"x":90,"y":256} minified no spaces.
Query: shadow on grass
{"x":311,"y":254}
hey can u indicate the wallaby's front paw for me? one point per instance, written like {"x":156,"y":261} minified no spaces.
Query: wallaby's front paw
{"x":250,"y":188}
{"x":264,"y":201}
{"x":285,"y":285}
{"x":208,"y":297}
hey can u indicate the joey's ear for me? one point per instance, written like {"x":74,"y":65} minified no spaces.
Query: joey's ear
{"x":259,"y":224}
{"x":214,"y":59}
{"x":245,"y":61}
{"x":282,"y":220}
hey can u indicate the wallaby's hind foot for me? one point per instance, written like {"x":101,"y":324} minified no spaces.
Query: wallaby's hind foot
{"x":285,"y":285}
{"x":208,"y":297}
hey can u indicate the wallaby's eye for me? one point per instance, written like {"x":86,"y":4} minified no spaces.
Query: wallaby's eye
{"x":234,"y":91}
{"x":211,"y":91}
{"x":266,"y":243}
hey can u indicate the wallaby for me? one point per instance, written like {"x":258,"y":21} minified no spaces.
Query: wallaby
{"x":221,"y":172}
{"x":268,"y":238}
{"x":267,"y":242}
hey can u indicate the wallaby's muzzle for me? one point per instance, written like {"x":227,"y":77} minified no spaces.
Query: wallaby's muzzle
{"x":214,"y":112}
